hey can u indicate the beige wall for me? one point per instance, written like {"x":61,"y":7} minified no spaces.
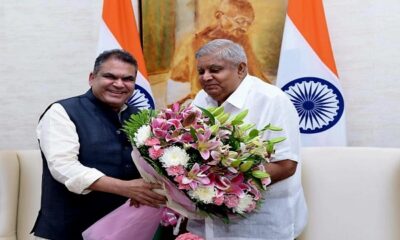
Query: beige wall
{"x":47,"y":49}
{"x":366,"y":41}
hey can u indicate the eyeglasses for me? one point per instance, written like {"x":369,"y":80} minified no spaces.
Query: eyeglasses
{"x":242,"y":21}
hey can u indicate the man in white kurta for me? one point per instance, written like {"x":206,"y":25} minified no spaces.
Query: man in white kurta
{"x":283,"y":214}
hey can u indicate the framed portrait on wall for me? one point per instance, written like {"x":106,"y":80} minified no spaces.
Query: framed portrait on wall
{"x":173,"y":30}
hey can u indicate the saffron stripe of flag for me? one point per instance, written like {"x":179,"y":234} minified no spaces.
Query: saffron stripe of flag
{"x":307,"y":74}
{"x":118,"y":30}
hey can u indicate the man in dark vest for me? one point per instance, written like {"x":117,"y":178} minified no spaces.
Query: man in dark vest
{"x":87,"y":166}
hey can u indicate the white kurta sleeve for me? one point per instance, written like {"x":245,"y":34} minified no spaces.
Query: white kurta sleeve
{"x":286,"y":117}
{"x":59,"y":143}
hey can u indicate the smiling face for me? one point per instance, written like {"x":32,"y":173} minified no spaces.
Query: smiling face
{"x":114,"y":83}
{"x":219,"y":78}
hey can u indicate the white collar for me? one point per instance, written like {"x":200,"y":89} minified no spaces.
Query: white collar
{"x":238,"y":97}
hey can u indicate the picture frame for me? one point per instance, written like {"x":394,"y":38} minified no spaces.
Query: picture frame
{"x":173,"y":30}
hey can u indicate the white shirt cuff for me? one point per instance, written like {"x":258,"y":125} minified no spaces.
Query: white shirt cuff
{"x":79,"y":184}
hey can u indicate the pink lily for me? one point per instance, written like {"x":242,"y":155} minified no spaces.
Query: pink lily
{"x":190,"y":116}
{"x":174,"y":122}
{"x":173,"y":136}
{"x":175,"y":107}
{"x":181,"y":186}
{"x":204,"y":144}
{"x":220,"y":195}
{"x":216,"y":158}
{"x":234,"y":186}
{"x":159,"y":127}
{"x":254,"y":190}
{"x":186,"y":138}
{"x":223,"y":134}
{"x":172,"y":112}
{"x":189,"y":110}
{"x":223,"y":155}
{"x":196,"y":175}
{"x":266,"y":181}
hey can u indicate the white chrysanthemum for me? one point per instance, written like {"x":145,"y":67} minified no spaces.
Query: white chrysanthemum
{"x":174,"y":156}
{"x":143,"y":133}
{"x":244,"y":203}
{"x":204,"y":194}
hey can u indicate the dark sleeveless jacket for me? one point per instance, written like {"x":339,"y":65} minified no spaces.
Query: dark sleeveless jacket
{"x":63,"y":214}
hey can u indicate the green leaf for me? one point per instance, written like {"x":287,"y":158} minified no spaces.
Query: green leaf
{"x":270,"y":147}
{"x":257,"y":181}
{"x":274,"y":128}
{"x":234,"y":143}
{"x":265,"y":128}
{"x":193,"y":133}
{"x":277,"y":140}
{"x":225,"y":219}
{"x":135,"y":121}
{"x":271,"y":127}
{"x":253,"y":133}
{"x":208,"y":114}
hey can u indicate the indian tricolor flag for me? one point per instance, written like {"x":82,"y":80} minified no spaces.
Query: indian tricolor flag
{"x":118,"y":30}
{"x":307,"y":74}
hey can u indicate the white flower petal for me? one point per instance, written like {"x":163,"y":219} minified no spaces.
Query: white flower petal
{"x":203,"y":193}
{"x":174,"y":156}
{"x":143,"y":133}
{"x":244,"y":203}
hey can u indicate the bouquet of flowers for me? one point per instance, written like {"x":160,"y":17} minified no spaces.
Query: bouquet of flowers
{"x":217,"y":160}
{"x":209,"y":162}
